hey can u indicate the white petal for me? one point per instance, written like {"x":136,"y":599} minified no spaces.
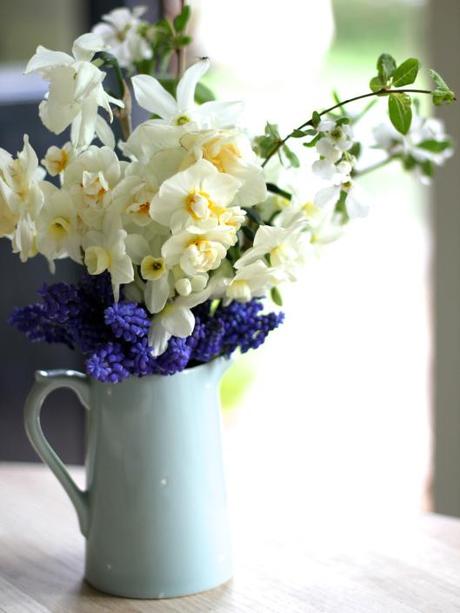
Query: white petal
{"x":104,"y":132}
{"x":86,"y":46}
{"x":187,"y":85}
{"x":137,"y":247}
{"x":324,"y":169}
{"x":327,"y":196}
{"x":46,"y":58}
{"x":218,"y":114}
{"x":153,"y":97}
{"x":355,"y":208}
{"x":179,"y":321}
{"x":158,"y":338}
{"x":156,"y":294}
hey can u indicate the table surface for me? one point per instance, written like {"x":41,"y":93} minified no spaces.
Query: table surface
{"x":402,"y":565}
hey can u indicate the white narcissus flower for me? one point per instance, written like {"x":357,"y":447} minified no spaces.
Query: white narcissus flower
{"x":21,"y":198}
{"x":90,"y":179}
{"x":151,"y":137}
{"x":57,"y":234}
{"x":177,"y":318}
{"x":153,"y":269}
{"x":253,"y":281}
{"x":153,"y":97}
{"x":57,"y":159}
{"x":75,"y":92}
{"x":120,"y":33}
{"x":106,"y":250}
{"x":284,"y":247}
{"x":198,"y":250}
{"x":230,"y":152}
{"x":198,"y":195}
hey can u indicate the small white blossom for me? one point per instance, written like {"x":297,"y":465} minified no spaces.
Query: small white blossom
{"x":75,"y":92}
{"x":120,"y":32}
{"x":153,"y":97}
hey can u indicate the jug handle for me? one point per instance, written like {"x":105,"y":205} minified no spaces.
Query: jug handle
{"x":45,"y":383}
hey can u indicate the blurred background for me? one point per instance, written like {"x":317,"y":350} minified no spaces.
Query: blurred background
{"x":354,"y":404}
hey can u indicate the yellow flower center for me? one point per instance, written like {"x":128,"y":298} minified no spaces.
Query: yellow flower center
{"x":59,"y":227}
{"x":152,"y":268}
{"x":199,"y":204}
{"x":182,"y":120}
{"x":221,"y":156}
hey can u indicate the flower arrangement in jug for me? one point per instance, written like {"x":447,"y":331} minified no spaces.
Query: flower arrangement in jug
{"x":183,"y":240}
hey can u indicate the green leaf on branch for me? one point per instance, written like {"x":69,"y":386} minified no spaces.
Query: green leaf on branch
{"x":376,"y":84}
{"x":427,"y":168}
{"x":264,"y":145}
{"x":291,"y":157}
{"x":400,"y":111}
{"x":180,"y":22}
{"x":435,"y":146}
{"x":274,"y":189}
{"x":182,"y":40}
{"x":302,"y":133}
{"x":442,"y":94}
{"x":203,"y":94}
{"x":315,"y":119}
{"x":276,"y":296}
{"x":386,"y":65}
{"x":313,"y":141}
{"x":406,"y":73}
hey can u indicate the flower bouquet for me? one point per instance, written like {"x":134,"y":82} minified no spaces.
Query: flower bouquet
{"x":186,"y":230}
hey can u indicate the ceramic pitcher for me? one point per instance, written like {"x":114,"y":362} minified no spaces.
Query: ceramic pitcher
{"x":154,"y":512}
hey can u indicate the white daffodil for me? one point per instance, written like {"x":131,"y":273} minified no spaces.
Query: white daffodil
{"x":57,"y":234}
{"x":252,"y":281}
{"x":177,"y":319}
{"x":57,"y":159}
{"x":153,"y":97}
{"x":21,"y":198}
{"x":285,"y":248}
{"x":134,"y":193}
{"x":198,"y":195}
{"x":197,"y":250}
{"x":75,"y":92}
{"x":24,"y":239}
{"x":230,"y":152}
{"x":153,"y":269}
{"x":120,"y":32}
{"x":90,"y":179}
{"x":106,"y":250}
{"x":151,"y":137}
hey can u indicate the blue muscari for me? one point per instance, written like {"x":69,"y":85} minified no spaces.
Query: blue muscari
{"x":113,"y":336}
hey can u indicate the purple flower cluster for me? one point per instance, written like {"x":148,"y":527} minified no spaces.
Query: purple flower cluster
{"x":114,"y":336}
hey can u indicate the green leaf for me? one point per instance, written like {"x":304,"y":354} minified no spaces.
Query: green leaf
{"x":342,"y":120}
{"x":315,"y":119}
{"x":265,"y":144}
{"x":355,"y":149}
{"x":313,"y":141}
{"x":376,"y":84}
{"x":442,"y":94}
{"x":254,"y":216}
{"x":386,"y":65}
{"x":274,"y":189}
{"x":291,"y":157}
{"x":248,"y":232}
{"x":399,"y":108}
{"x":180,"y":22}
{"x":182,"y":40}
{"x":406,"y":73}
{"x":427,"y":168}
{"x":435,"y":146}
{"x":203,"y":94}
{"x":276,"y":296}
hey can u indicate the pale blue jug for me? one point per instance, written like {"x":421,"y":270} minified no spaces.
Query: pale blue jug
{"x":154,"y":512}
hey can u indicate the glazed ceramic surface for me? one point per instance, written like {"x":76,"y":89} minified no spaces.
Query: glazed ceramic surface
{"x":154,"y":512}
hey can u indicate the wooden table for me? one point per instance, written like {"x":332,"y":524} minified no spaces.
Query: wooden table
{"x":388,"y":566}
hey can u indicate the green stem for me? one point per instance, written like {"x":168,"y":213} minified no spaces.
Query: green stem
{"x":381,"y":92}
